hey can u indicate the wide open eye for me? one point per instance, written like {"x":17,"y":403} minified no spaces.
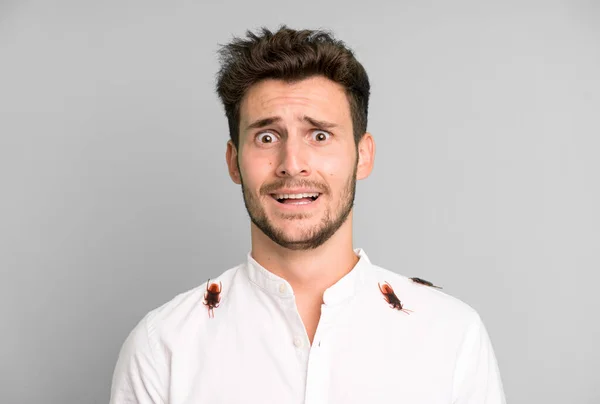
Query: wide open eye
{"x":266,"y":138}
{"x":320,"y":135}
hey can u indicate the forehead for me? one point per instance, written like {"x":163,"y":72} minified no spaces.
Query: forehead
{"x":317,"y":97}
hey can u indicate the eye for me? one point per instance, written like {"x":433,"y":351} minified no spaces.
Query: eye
{"x":266,"y":138}
{"x":320,"y":135}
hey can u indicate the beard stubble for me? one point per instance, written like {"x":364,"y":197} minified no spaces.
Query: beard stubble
{"x":313,"y":237}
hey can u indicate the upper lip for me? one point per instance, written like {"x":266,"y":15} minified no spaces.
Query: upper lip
{"x":295,"y":191}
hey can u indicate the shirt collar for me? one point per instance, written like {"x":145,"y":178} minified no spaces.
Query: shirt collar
{"x":343,"y":289}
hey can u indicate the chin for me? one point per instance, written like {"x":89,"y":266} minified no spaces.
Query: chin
{"x":294,"y":233}
{"x":294,"y":236}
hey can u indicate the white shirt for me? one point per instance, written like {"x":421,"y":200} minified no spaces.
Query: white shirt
{"x":256,"y":350}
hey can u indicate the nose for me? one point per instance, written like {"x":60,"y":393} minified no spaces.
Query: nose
{"x":293,"y":159}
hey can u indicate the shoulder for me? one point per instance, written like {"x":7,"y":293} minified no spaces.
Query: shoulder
{"x":171,"y":321}
{"x":143,"y":363}
{"x":184,"y":307}
{"x":176,"y":319}
{"x":434,"y":302}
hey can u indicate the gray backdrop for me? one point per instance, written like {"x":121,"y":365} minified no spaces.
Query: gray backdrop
{"x":115,"y":195}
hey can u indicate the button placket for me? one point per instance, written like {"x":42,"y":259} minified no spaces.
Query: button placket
{"x":316,"y":377}
{"x":298,"y":343}
{"x":317,"y":380}
{"x":298,"y":338}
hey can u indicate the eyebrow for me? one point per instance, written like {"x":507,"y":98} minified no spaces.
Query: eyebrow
{"x":261,"y":123}
{"x":319,"y":124}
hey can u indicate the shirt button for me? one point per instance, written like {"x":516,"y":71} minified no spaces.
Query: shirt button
{"x":298,"y":342}
{"x":282,"y":288}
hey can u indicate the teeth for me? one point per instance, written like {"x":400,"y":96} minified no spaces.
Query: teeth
{"x":296,"y":196}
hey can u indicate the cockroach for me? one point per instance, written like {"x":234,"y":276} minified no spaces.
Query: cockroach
{"x":424,"y":282}
{"x":390,"y":297}
{"x":212,"y":297}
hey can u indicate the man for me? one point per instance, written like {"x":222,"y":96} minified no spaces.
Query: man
{"x":307,"y":318}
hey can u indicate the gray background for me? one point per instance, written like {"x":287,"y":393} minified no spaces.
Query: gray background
{"x":115,"y":195}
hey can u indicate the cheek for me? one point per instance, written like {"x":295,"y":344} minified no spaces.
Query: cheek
{"x":256,"y":171}
{"x":335,"y":168}
{"x":338,"y":171}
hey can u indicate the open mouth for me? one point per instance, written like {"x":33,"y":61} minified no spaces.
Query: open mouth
{"x":296,"y":199}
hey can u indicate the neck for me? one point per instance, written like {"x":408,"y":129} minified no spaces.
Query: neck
{"x":309,"y":272}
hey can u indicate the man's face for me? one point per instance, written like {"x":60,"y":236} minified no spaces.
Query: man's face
{"x":296,"y":160}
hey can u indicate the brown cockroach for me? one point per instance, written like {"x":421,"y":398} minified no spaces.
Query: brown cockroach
{"x":424,"y":282}
{"x":390,"y":297}
{"x":212,"y":297}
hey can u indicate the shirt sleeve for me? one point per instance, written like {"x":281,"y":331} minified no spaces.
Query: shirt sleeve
{"x":477,"y":377}
{"x":139,"y":378}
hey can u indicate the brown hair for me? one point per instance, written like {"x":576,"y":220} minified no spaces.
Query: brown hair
{"x":290,"y":55}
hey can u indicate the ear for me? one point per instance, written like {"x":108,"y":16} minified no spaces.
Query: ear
{"x":231,"y":157}
{"x":366,"y":156}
